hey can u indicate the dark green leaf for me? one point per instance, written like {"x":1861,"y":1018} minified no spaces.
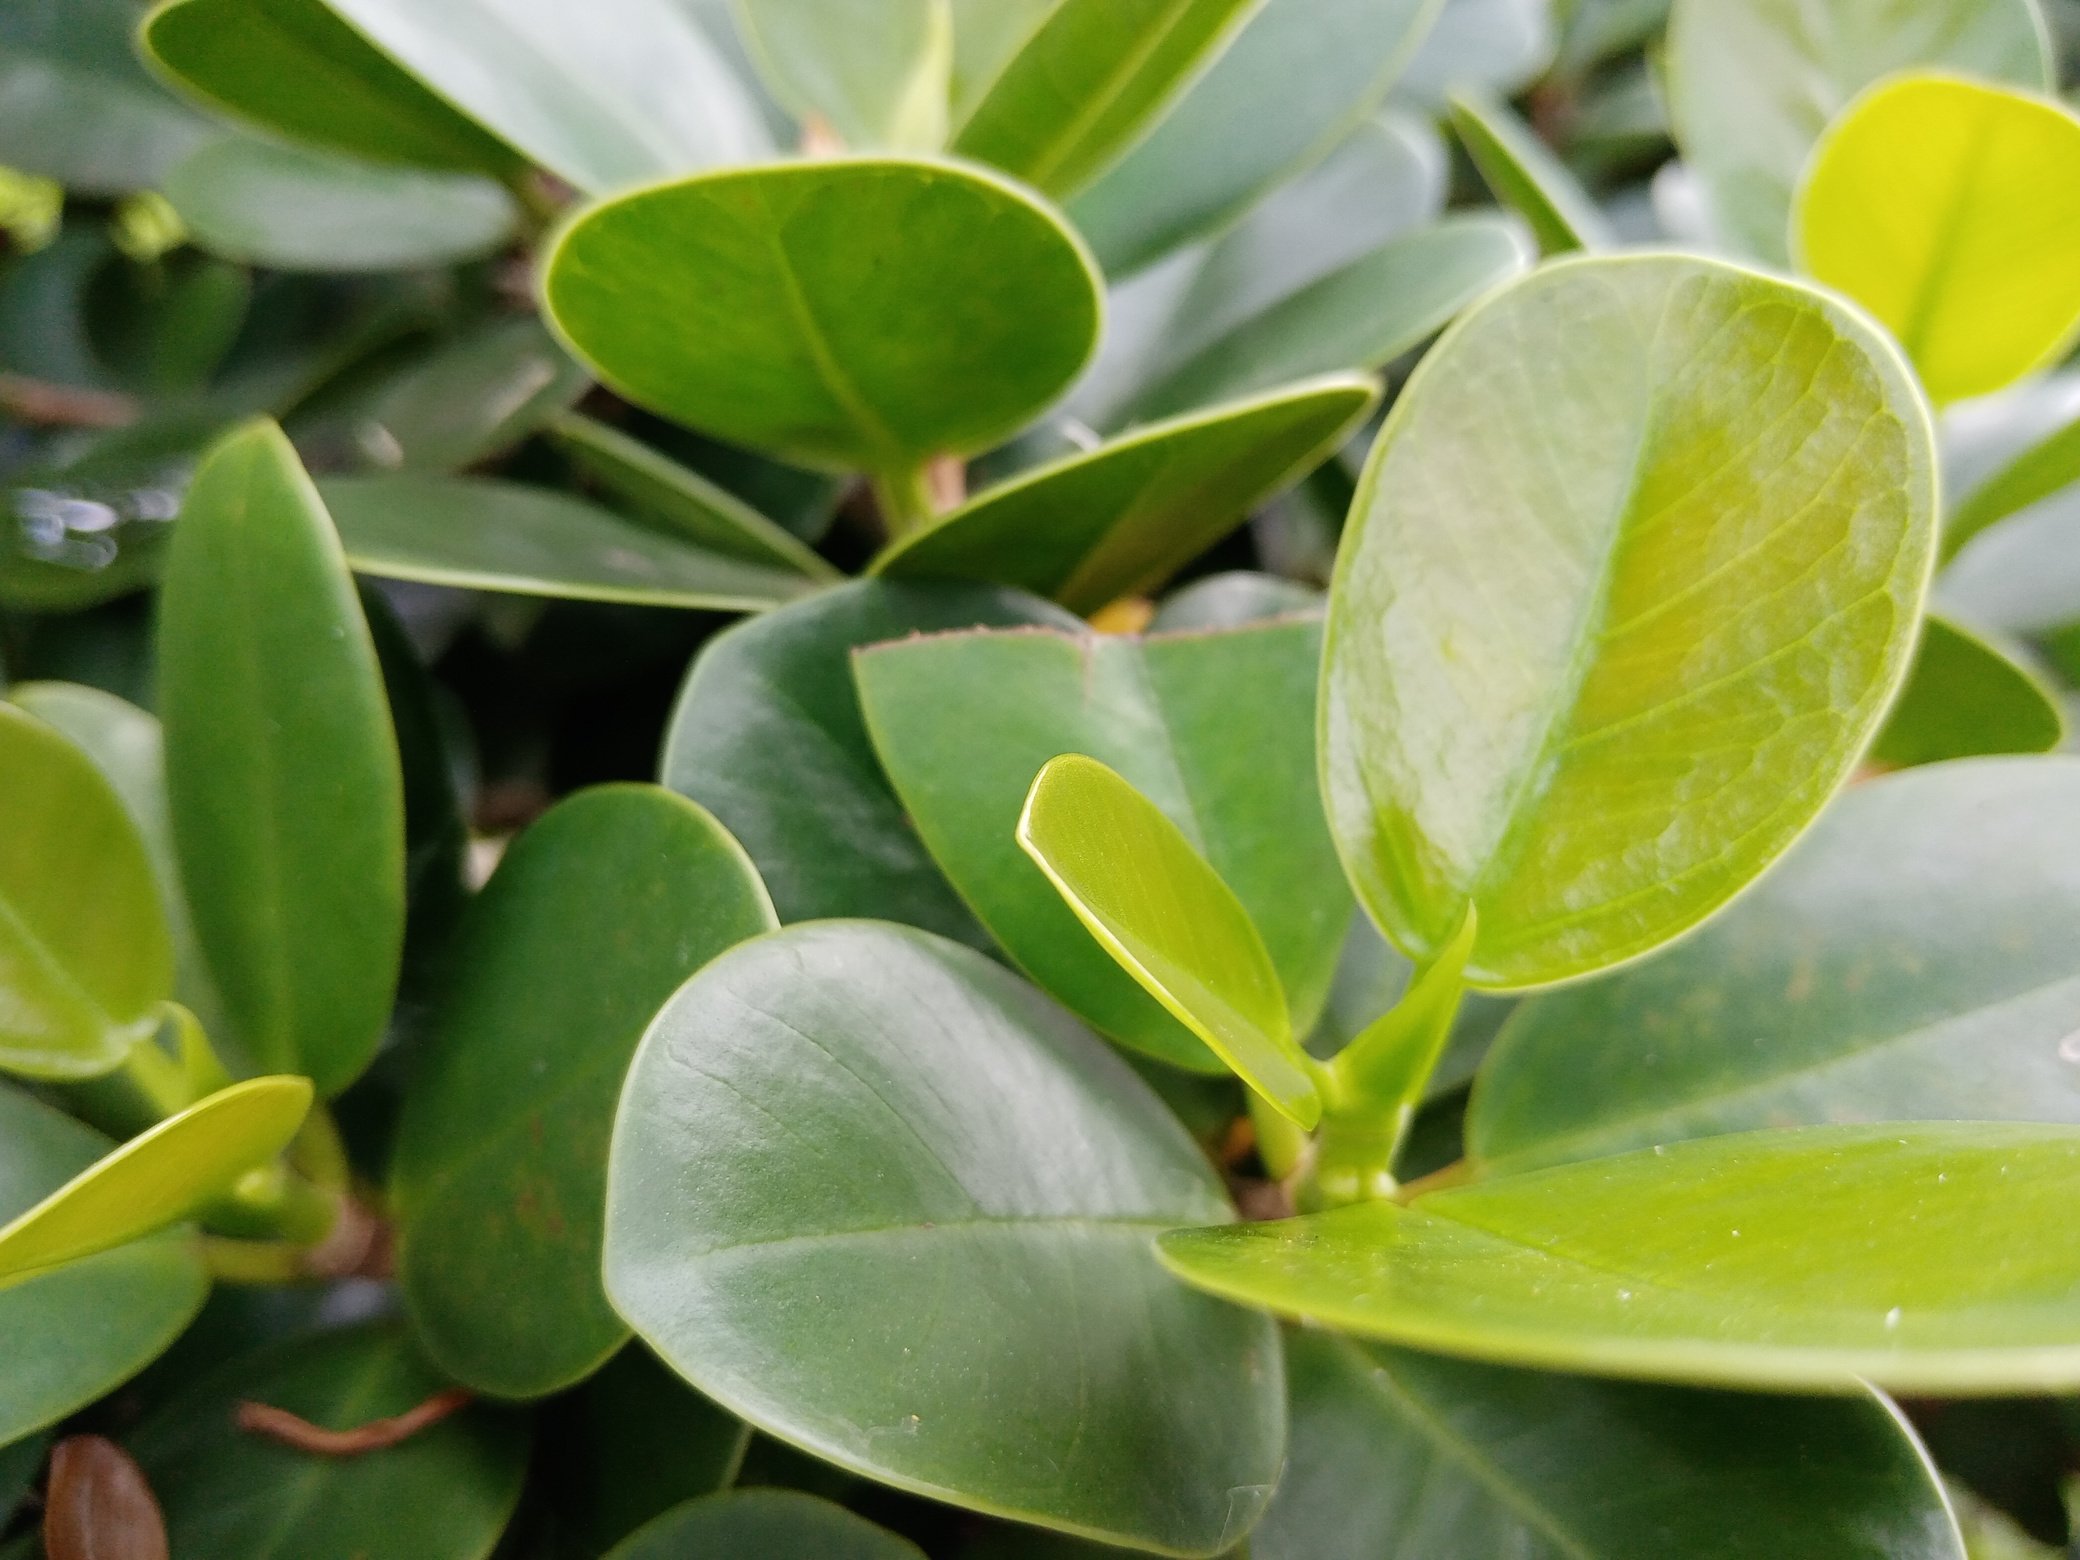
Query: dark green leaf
{"x":768,"y":734}
{"x":1965,"y":697}
{"x":777,"y":1524}
{"x":18,"y":1466}
{"x":979,"y":1320}
{"x":281,"y":767}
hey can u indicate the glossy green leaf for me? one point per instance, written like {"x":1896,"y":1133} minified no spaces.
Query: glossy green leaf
{"x":1966,"y":697}
{"x":659,"y":489}
{"x":1400,"y":1456}
{"x":281,"y":767}
{"x":1752,"y":83}
{"x":489,"y":535}
{"x":1234,"y":600}
{"x":444,"y":1493}
{"x":78,"y":1331}
{"x":75,"y":106}
{"x":1120,"y":520}
{"x":2049,"y":466}
{"x":1910,"y":959}
{"x":595,"y":916}
{"x":878,"y":72}
{"x":159,"y":1178}
{"x":602,"y":94}
{"x":1301,"y":75}
{"x":1603,"y":641}
{"x":1141,"y":889}
{"x":295,"y":68}
{"x":1942,"y":206}
{"x":1361,"y":316}
{"x":768,"y":734}
{"x":1216,"y":729}
{"x":821,"y":309}
{"x":643,"y":1442}
{"x":981,"y":1320}
{"x":775,"y":1523}
{"x":1911,"y":1256}
{"x":1526,"y":176}
{"x":85,"y":955}
{"x":306,"y":211}
{"x":1088,"y":81}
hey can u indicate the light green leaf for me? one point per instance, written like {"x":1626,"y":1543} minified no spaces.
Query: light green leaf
{"x":78,"y":1331}
{"x":1804,"y":1260}
{"x":1526,"y":176}
{"x":1156,"y":905}
{"x":768,"y":733}
{"x":1302,"y":74}
{"x":2047,"y":467}
{"x":1085,"y":84}
{"x":1752,"y":83}
{"x":1216,"y":729}
{"x":980,"y":1321}
{"x":482,"y":534}
{"x":159,"y":1178}
{"x":281,"y":766}
{"x":294,"y":68}
{"x":1233,"y":600}
{"x":879,"y":72}
{"x":85,"y":955}
{"x":602,"y":94}
{"x":775,"y":1523}
{"x":1400,"y":1456}
{"x":821,"y":309}
{"x":659,"y":489}
{"x":1967,"y":696}
{"x":595,"y":916}
{"x":1500,"y":46}
{"x":1633,"y":573}
{"x":1910,"y":959}
{"x":1942,"y":206}
{"x":1122,"y":519}
{"x":305,"y":211}
{"x":444,"y":1493}
{"x":1361,"y":316}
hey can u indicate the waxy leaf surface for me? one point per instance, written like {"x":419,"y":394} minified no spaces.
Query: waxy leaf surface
{"x":595,"y":916}
{"x":1967,"y":697}
{"x":1909,"y":1255}
{"x":1150,"y":899}
{"x":1401,"y":1456}
{"x":1753,"y":83}
{"x":1526,"y":176}
{"x":820,"y":310}
{"x":177,"y":1168}
{"x":775,"y":1523}
{"x":281,"y":766}
{"x":1214,"y":728}
{"x":1917,"y":956}
{"x":85,"y":954}
{"x":1634,"y":570}
{"x":444,"y":1493}
{"x":484,"y":534}
{"x":1092,"y":528}
{"x":77,"y":1331}
{"x":981,"y":1320}
{"x":768,"y":734}
{"x":1948,"y":209}
{"x":878,"y":72}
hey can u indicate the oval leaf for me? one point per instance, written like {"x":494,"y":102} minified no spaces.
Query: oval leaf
{"x":159,"y":1178}
{"x":764,"y":1522}
{"x":1215,"y":728}
{"x":1020,"y":1173}
{"x":1125,"y":517}
{"x":1734,"y":518}
{"x":281,"y":767}
{"x":1405,"y":1454}
{"x":482,"y":534}
{"x":595,"y":916}
{"x":645,"y":1442}
{"x":1967,"y":697}
{"x":1912,"y":958}
{"x":85,"y":955}
{"x":1138,"y":885}
{"x":821,"y":309}
{"x":1944,"y":207}
{"x":1803,"y":1260}
{"x":768,"y":733}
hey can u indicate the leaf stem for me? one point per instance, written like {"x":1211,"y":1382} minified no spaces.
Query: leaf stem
{"x":905,"y":501}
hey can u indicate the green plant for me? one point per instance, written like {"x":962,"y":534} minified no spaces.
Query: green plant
{"x":1272,"y":921}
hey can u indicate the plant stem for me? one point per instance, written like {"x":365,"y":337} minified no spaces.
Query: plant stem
{"x":158,"y":1081}
{"x":905,"y":501}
